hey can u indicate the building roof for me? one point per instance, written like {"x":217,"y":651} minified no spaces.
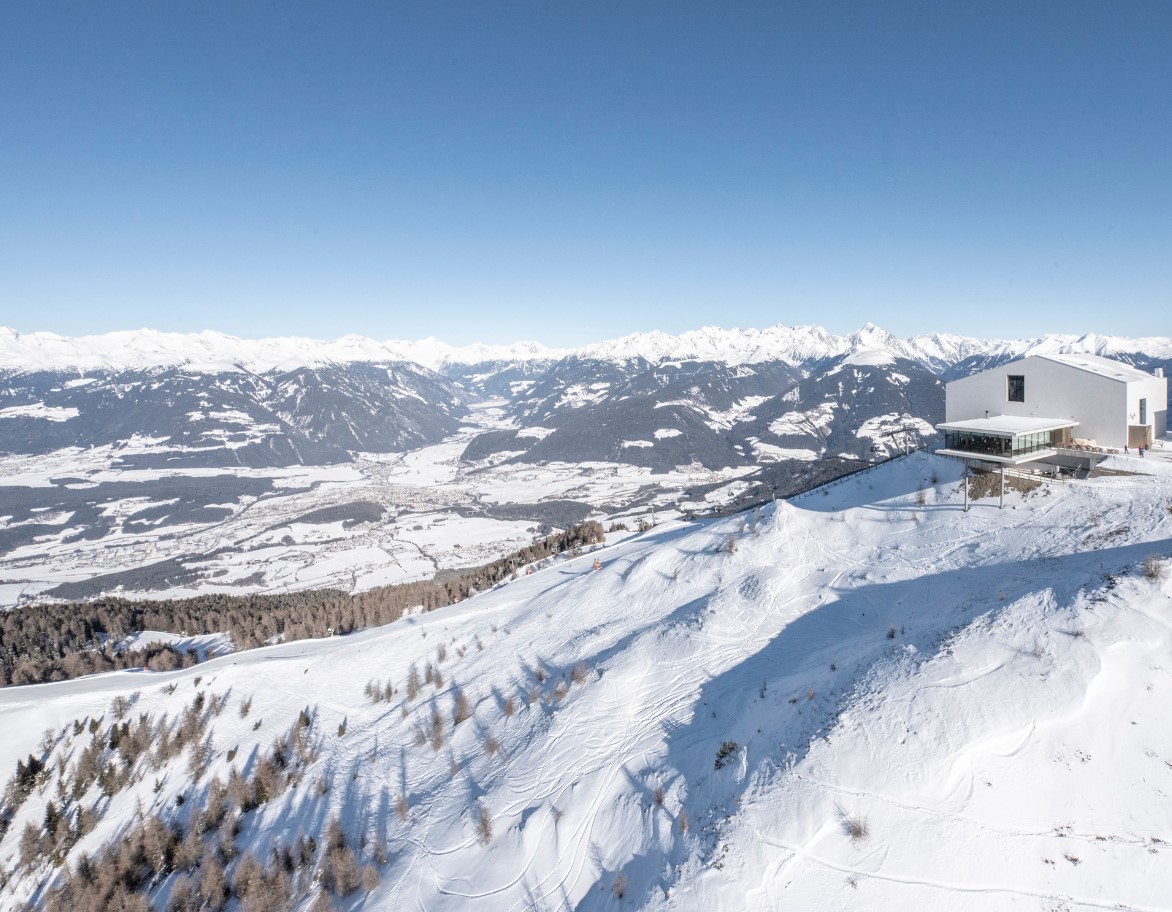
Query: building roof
{"x":1008,"y":425}
{"x":1103,"y":367}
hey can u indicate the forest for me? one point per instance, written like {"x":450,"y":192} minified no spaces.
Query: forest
{"x":56,"y":641}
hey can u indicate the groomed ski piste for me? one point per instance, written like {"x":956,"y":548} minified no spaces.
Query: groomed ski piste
{"x":869,"y":699}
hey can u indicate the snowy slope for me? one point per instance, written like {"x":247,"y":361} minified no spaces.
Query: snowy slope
{"x":980,"y":697}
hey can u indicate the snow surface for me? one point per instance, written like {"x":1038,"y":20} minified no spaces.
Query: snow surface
{"x":740,"y":411}
{"x":39,"y":410}
{"x":769,"y":452}
{"x":888,"y":432}
{"x":870,"y":357}
{"x":207,"y":644}
{"x":812,"y":421}
{"x":1104,"y":367}
{"x":983,"y":697}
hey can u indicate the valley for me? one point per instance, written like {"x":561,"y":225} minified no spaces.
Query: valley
{"x":79,"y":525}
{"x":162,"y":465}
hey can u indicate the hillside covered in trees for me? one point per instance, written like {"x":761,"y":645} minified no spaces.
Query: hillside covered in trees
{"x":53,"y":642}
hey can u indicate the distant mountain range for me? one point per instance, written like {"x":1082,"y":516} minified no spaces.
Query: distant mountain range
{"x":795,"y":345}
{"x":712,"y":397}
{"x":213,"y":352}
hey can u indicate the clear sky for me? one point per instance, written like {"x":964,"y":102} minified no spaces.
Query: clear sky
{"x":572,"y":171}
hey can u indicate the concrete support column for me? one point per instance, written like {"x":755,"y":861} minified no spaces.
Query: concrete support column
{"x":964,"y":480}
{"x":1002,"y":506}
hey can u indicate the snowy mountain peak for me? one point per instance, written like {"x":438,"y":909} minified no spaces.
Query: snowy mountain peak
{"x":211,"y":351}
{"x":871,"y":335}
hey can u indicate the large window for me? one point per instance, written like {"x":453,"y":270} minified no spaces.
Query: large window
{"x":1016,"y":388}
{"x":1143,"y":411}
{"x":990,"y":445}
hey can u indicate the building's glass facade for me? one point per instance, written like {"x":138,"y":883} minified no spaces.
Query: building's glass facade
{"x":1006,"y":447}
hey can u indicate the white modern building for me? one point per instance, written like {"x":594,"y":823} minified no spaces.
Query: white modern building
{"x":1022,"y":411}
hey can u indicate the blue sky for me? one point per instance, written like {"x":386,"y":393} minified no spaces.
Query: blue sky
{"x":573,"y":171}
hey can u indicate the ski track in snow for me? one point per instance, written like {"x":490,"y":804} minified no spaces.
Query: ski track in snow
{"x":1015,"y":718}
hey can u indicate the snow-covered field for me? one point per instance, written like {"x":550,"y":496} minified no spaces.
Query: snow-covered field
{"x":923,"y":708}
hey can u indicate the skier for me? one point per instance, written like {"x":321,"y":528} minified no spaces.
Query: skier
{"x":597,"y":565}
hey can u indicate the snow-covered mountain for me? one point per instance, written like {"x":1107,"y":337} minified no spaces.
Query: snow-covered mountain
{"x":712,"y":397}
{"x":214,"y":352}
{"x":864,"y":699}
{"x":301,"y":416}
{"x":794,"y":345}
{"x":802,"y":344}
{"x":758,"y":396}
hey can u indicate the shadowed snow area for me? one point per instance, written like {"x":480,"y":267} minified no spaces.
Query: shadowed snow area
{"x":925,"y":708}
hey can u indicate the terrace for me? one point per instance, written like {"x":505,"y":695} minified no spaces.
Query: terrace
{"x":1006,"y":439}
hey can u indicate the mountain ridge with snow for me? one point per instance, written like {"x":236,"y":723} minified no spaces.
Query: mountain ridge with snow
{"x":213,"y":352}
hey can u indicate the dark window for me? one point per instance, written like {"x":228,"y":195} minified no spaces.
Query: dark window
{"x":1143,"y":411}
{"x":1016,"y":391}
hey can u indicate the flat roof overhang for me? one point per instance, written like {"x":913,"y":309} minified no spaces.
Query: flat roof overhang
{"x":1007,"y":425}
{"x":1003,"y":460}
